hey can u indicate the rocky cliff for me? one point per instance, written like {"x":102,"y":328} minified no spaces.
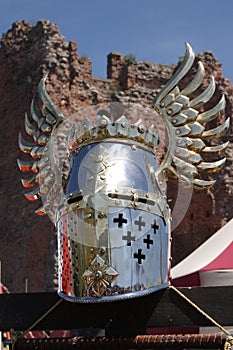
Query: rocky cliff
{"x":28,"y":242}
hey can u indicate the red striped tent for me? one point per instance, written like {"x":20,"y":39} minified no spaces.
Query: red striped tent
{"x":209,"y":265}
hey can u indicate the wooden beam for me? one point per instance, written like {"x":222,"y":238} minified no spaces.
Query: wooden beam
{"x":164,"y":308}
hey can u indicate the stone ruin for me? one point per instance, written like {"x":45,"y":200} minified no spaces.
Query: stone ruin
{"x":28,"y":242}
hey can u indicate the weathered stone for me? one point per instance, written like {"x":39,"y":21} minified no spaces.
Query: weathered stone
{"x":73,"y":46}
{"x":28,"y":242}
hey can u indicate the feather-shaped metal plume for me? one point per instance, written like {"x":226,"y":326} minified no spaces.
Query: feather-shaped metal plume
{"x":184,"y":124}
{"x":45,"y":176}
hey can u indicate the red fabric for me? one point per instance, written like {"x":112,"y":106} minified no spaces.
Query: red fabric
{"x":52,"y":334}
{"x":34,"y":334}
{"x":222,"y":262}
{"x":191,"y":280}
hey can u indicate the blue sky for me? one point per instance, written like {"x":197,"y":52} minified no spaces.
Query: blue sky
{"x":152,"y":30}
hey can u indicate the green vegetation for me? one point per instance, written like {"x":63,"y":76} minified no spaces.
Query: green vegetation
{"x":130,"y":59}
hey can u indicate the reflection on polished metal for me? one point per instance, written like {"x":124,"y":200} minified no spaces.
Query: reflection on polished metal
{"x":185,"y":127}
{"x":113,"y":220}
{"x":121,"y":224}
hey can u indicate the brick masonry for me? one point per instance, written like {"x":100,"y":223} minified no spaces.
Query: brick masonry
{"x":28,"y":242}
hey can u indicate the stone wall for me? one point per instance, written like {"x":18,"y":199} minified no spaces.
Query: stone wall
{"x":28,"y":242}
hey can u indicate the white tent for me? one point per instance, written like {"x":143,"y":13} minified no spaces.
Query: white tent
{"x":209,"y":265}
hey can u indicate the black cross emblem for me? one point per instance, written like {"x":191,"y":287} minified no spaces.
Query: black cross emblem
{"x":129,"y":238}
{"x":155,"y":226}
{"x":148,"y":241}
{"x":120,"y":220}
{"x":140,"y":223}
{"x":139,"y":256}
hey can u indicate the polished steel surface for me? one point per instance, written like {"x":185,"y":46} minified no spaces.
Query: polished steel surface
{"x":112,"y":165}
{"x":184,"y":124}
{"x":114,"y":233}
{"x":111,"y":210}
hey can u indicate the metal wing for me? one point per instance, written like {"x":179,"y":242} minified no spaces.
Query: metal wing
{"x":186,"y":125}
{"x":45,"y":176}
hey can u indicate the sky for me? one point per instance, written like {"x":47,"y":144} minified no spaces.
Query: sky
{"x":152,"y":30}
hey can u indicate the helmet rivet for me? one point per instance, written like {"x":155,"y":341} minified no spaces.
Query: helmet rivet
{"x":141,"y":129}
{"x":102,"y":250}
{"x":98,"y":275}
{"x":103,"y":124}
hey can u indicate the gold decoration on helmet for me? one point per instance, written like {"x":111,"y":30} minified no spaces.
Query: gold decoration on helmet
{"x":98,"y":276}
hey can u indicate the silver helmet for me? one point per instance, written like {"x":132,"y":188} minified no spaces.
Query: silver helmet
{"x":114,"y":226}
{"x":110,"y":209}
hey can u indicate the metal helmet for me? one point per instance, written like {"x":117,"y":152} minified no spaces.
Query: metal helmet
{"x":110,"y":210}
{"x":114,"y":226}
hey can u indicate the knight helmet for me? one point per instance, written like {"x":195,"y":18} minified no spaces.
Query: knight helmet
{"x":110,"y":208}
